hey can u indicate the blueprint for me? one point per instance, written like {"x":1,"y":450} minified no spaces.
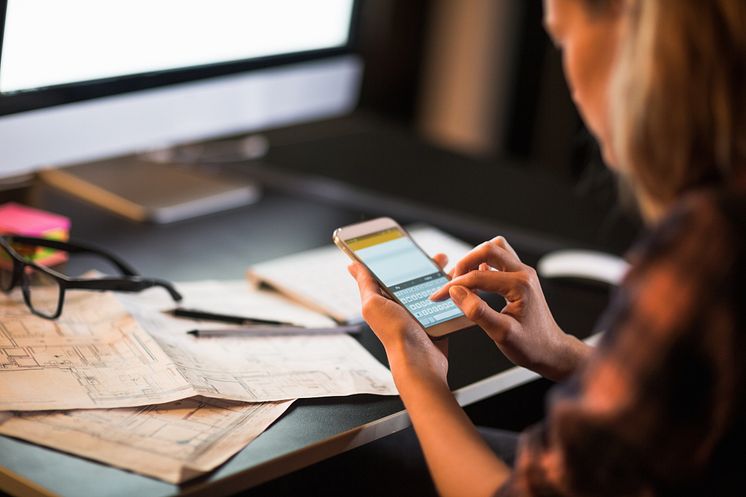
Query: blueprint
{"x":261,"y":368}
{"x":274,"y":368}
{"x":104,"y":354}
{"x":174,"y":442}
{"x":95,"y":356}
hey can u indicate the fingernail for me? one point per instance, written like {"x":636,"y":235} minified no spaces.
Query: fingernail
{"x":458,"y":293}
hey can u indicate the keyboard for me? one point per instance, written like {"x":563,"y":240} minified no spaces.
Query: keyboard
{"x":428,"y":313}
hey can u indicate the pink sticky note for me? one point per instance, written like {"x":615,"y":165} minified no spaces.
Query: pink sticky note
{"x":22,"y":220}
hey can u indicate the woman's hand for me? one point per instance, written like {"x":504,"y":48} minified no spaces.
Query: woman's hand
{"x":524,"y":330}
{"x":459,"y":460}
{"x":410,"y":350}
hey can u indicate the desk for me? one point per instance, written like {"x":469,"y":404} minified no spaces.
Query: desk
{"x":221,"y":247}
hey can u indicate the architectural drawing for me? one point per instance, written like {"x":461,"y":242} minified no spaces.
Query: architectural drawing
{"x":95,"y":356}
{"x":261,"y":368}
{"x":100,"y":354}
{"x":173,"y":442}
{"x":274,"y":368}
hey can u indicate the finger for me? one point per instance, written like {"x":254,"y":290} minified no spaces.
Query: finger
{"x":492,"y":253}
{"x":512,"y":286}
{"x":367,"y":286}
{"x":441,"y":260}
{"x":501,"y":241}
{"x":496,"y":325}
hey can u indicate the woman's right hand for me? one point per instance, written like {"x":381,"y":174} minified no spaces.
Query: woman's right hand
{"x":524,"y":330}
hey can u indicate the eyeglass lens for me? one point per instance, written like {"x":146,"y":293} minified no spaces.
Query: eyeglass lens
{"x":43,"y":292}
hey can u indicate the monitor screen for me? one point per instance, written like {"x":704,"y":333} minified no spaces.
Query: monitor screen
{"x":83,"y":80}
{"x":48,"y":42}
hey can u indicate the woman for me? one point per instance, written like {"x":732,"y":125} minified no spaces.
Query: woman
{"x":658,"y":409}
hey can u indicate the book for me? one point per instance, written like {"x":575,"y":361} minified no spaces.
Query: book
{"x":318,"y":278}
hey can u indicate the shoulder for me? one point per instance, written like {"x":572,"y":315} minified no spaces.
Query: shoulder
{"x":686,"y":271}
{"x":705,"y":230}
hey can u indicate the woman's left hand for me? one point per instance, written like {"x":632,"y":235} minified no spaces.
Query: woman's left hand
{"x":411,"y":351}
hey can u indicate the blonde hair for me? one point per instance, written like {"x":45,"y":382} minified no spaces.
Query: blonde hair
{"x":678,"y":106}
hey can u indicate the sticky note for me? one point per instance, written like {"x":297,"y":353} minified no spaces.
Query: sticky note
{"x":17,"y":219}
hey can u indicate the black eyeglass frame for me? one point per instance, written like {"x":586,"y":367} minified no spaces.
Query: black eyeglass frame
{"x":131,"y":282}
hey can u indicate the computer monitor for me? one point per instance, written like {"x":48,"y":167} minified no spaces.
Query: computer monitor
{"x":83,"y":80}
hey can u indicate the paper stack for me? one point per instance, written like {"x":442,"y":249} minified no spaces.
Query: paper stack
{"x":107,"y":362}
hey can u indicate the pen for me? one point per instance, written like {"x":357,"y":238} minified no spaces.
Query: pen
{"x":223,"y":318}
{"x":275,"y":330}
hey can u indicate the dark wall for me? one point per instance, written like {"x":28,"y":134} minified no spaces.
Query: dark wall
{"x":391,"y":40}
{"x":544,"y":128}
{"x":544,"y":131}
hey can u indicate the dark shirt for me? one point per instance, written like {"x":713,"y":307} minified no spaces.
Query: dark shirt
{"x":659,"y":409}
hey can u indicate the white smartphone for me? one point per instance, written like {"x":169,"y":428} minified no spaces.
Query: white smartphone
{"x":403,"y":270}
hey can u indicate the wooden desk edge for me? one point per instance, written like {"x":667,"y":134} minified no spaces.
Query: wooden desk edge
{"x":351,"y":439}
{"x":14,"y":484}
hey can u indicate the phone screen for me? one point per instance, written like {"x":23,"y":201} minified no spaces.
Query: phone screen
{"x":407,"y":273}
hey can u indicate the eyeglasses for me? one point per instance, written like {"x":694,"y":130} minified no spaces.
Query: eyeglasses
{"x":44,"y":288}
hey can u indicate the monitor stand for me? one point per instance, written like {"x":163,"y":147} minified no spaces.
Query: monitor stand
{"x":147,"y":190}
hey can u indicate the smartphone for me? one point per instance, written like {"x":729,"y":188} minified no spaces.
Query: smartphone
{"x":403,"y":270}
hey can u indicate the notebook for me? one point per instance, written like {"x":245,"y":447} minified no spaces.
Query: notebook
{"x":319,"y":279}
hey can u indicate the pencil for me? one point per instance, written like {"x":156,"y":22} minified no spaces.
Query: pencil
{"x":223,"y":318}
{"x":274,"y":330}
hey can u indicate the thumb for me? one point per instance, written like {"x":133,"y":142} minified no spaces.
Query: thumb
{"x":441,"y":260}
{"x":495,"y":324}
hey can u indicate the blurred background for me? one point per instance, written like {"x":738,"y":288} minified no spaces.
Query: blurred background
{"x":464,"y":121}
{"x":464,"y":108}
